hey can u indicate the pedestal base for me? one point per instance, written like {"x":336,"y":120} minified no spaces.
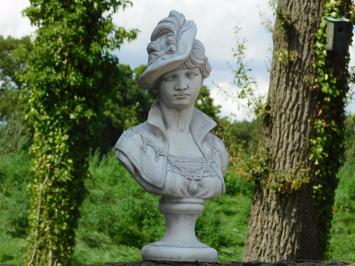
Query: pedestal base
{"x":180,"y":242}
{"x":170,"y":253}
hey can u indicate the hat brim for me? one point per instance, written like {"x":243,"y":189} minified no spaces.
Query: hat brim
{"x":153,"y":72}
{"x":169,"y":62}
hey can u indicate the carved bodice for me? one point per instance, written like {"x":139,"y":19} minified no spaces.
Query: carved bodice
{"x":194,"y":171}
{"x":186,"y":176}
{"x":144,"y":151}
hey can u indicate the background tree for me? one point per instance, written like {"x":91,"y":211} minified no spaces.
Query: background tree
{"x":71,"y":69}
{"x":12,"y":61}
{"x":125,"y":106}
{"x":14,"y":133}
{"x":301,"y":146}
{"x":205,"y":103}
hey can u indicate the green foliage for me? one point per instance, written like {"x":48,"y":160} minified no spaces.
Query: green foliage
{"x":327,"y":148}
{"x":12,"y":250}
{"x":257,"y":167}
{"x":111,"y":191}
{"x":14,"y":177}
{"x":341,"y":244}
{"x":117,"y":213}
{"x":223,"y":224}
{"x":240,"y":139}
{"x":13,"y":53}
{"x":70,"y":70}
{"x":245,"y":82}
{"x":238,"y":184}
{"x":326,"y":152}
{"x":126,"y":105}
{"x":131,"y":216}
{"x":205,"y":103}
{"x":14,"y":132}
{"x":127,"y":217}
{"x":350,"y":138}
{"x":240,"y":135}
{"x":14,"y":135}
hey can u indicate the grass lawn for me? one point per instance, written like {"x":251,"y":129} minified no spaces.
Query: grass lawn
{"x":118,"y":218}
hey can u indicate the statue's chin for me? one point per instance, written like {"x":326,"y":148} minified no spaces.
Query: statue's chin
{"x":181,"y":105}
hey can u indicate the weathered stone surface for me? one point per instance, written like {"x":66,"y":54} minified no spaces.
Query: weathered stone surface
{"x":174,"y":153}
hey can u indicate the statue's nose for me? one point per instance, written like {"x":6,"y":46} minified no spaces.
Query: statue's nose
{"x":181,"y":84}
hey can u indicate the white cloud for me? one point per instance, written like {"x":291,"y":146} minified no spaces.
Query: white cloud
{"x":216,"y":22}
{"x":12,"y":22}
{"x":225,"y":95}
{"x":215,"y":19}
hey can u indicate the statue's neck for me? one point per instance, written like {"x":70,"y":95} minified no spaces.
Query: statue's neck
{"x":177,"y":121}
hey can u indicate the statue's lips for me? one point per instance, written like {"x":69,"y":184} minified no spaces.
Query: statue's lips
{"x":182,"y":96}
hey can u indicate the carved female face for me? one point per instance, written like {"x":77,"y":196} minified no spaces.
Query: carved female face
{"x":179,"y":89}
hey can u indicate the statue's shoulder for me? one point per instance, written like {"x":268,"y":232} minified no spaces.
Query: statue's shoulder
{"x":134,"y":130}
{"x":218,"y":146}
{"x":132,"y":135}
{"x":145,"y":153}
{"x":217,"y":142}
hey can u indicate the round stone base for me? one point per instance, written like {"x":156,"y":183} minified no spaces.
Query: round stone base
{"x":180,"y":242}
{"x":165,"y":251}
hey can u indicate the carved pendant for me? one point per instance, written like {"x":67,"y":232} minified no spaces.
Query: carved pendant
{"x":193,"y":187}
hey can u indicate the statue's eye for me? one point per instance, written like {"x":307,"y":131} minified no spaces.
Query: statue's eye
{"x":191,"y":74}
{"x":169,"y":78}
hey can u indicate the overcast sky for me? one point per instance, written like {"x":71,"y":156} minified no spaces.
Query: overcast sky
{"x":216,"y":22}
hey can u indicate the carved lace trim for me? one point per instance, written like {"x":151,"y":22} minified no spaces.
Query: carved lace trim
{"x":193,"y":170}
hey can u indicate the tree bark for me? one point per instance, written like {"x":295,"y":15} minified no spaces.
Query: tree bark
{"x":283,"y":225}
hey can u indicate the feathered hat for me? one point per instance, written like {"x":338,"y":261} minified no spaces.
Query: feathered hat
{"x":171,"y":43}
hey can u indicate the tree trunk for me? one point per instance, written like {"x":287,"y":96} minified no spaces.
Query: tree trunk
{"x":283,"y":222}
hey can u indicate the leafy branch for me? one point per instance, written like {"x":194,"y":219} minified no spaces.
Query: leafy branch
{"x":246,"y":83}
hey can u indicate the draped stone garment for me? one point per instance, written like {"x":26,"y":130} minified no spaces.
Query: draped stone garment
{"x":143,"y":150}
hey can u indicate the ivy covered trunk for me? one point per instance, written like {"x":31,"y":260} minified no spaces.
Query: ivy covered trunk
{"x":295,"y":185}
{"x":69,"y":73}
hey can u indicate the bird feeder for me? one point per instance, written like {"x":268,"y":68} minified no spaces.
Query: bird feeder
{"x":338,"y":34}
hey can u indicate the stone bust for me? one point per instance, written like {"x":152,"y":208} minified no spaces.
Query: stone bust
{"x":173,"y":154}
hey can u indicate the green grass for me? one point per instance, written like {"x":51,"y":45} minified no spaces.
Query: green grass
{"x":342,"y":242}
{"x":14,"y":175}
{"x":118,"y":217}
